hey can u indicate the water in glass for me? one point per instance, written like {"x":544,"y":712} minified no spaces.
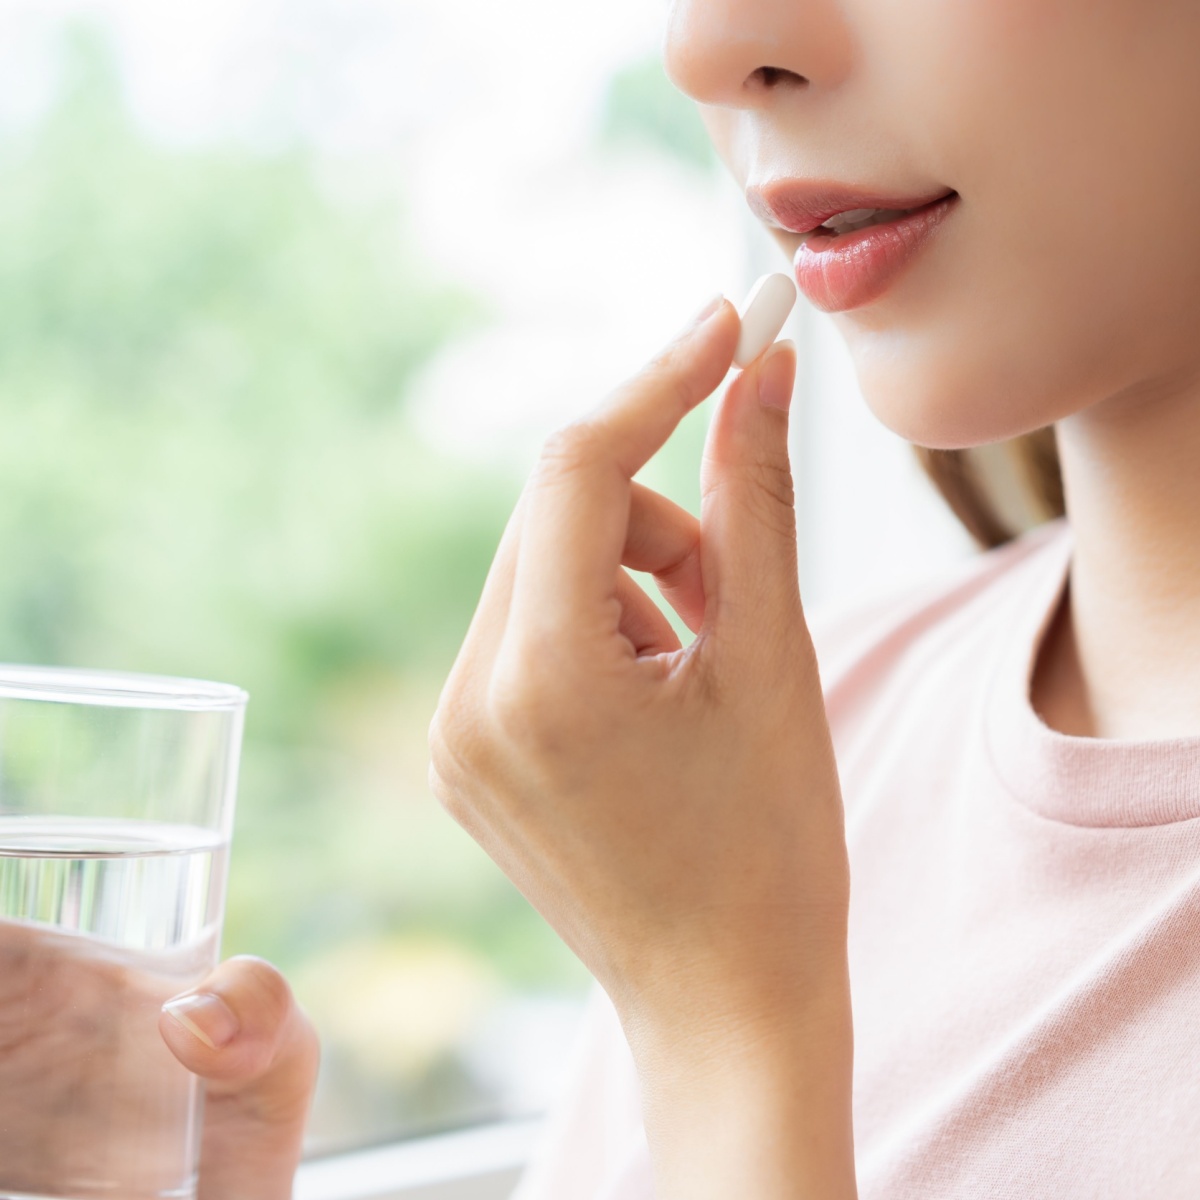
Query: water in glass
{"x":100,"y":922}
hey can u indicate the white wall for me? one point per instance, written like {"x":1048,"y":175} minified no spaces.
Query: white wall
{"x":872,"y":520}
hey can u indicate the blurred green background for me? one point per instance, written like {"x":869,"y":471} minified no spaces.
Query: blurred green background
{"x":207,"y":468}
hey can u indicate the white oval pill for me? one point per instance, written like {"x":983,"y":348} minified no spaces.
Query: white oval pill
{"x":763,"y":314}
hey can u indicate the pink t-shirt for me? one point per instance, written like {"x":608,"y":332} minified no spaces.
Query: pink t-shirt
{"x":1024,"y":923}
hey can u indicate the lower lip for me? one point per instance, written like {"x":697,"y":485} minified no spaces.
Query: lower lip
{"x":853,"y":269}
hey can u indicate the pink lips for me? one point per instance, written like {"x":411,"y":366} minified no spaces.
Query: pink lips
{"x":849,"y":270}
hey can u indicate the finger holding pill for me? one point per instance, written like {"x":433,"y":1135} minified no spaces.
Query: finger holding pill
{"x":589,"y":750}
{"x":763,"y":315}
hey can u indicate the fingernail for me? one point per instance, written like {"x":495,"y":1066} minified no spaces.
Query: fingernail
{"x":205,"y":1015}
{"x":775,"y":377}
{"x":709,"y":310}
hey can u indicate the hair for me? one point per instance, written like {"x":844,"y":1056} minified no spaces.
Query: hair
{"x":998,"y":492}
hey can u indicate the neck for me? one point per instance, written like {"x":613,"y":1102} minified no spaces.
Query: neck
{"x":1128,"y":639}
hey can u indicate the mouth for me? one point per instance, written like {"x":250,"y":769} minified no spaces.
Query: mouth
{"x":853,"y":243}
{"x":853,"y":220}
{"x":824,"y":208}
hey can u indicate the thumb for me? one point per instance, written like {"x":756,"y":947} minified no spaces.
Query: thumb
{"x":748,"y":515}
{"x":242,"y":1030}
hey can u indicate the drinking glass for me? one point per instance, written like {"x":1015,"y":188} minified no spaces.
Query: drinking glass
{"x":116,"y":806}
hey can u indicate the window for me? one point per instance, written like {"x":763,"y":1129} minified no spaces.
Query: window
{"x":291,"y":294}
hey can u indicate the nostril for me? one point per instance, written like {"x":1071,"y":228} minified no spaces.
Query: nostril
{"x":773,"y":75}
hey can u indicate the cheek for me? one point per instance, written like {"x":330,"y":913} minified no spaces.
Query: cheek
{"x":1072,"y":271}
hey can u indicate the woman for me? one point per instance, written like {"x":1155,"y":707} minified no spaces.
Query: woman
{"x":1005,"y":761}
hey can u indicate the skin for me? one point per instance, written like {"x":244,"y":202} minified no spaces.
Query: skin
{"x":259,"y":1085}
{"x":675,"y":813}
{"x":1065,"y":290}
{"x":82,"y":1037}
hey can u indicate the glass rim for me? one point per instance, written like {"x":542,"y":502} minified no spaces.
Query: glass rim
{"x":117,"y":689}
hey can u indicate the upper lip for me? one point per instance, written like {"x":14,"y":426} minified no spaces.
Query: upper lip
{"x":801,"y":205}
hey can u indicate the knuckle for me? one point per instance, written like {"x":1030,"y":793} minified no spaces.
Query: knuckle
{"x":764,"y":489}
{"x":518,"y":703}
{"x":568,"y":449}
{"x":309,"y":1047}
{"x":305,"y":1052}
{"x":531,"y":705}
{"x":452,"y":798}
{"x":439,"y":750}
{"x":454,"y":759}
{"x":666,"y":375}
{"x":264,"y":984}
{"x":453,"y":734}
{"x":683,"y":568}
{"x":776,"y":491}
{"x":284,"y":1076}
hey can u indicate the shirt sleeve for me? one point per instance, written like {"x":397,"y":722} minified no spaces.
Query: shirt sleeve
{"x":593,"y":1145}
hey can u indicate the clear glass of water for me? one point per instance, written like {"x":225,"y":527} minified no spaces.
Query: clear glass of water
{"x":116,"y":807}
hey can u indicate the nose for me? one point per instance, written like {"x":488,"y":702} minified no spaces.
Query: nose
{"x":731,"y":53}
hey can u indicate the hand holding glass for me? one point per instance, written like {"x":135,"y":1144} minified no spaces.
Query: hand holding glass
{"x":116,"y":805}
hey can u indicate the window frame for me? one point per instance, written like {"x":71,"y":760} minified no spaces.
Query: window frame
{"x":483,"y":1163}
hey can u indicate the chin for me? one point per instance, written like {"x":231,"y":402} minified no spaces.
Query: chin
{"x":952,"y":400}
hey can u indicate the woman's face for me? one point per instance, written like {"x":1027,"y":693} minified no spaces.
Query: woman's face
{"x":1067,"y":273}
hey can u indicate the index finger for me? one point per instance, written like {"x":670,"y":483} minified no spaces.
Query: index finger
{"x":577,"y":502}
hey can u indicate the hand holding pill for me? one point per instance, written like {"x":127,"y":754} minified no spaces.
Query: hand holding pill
{"x":674,"y":812}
